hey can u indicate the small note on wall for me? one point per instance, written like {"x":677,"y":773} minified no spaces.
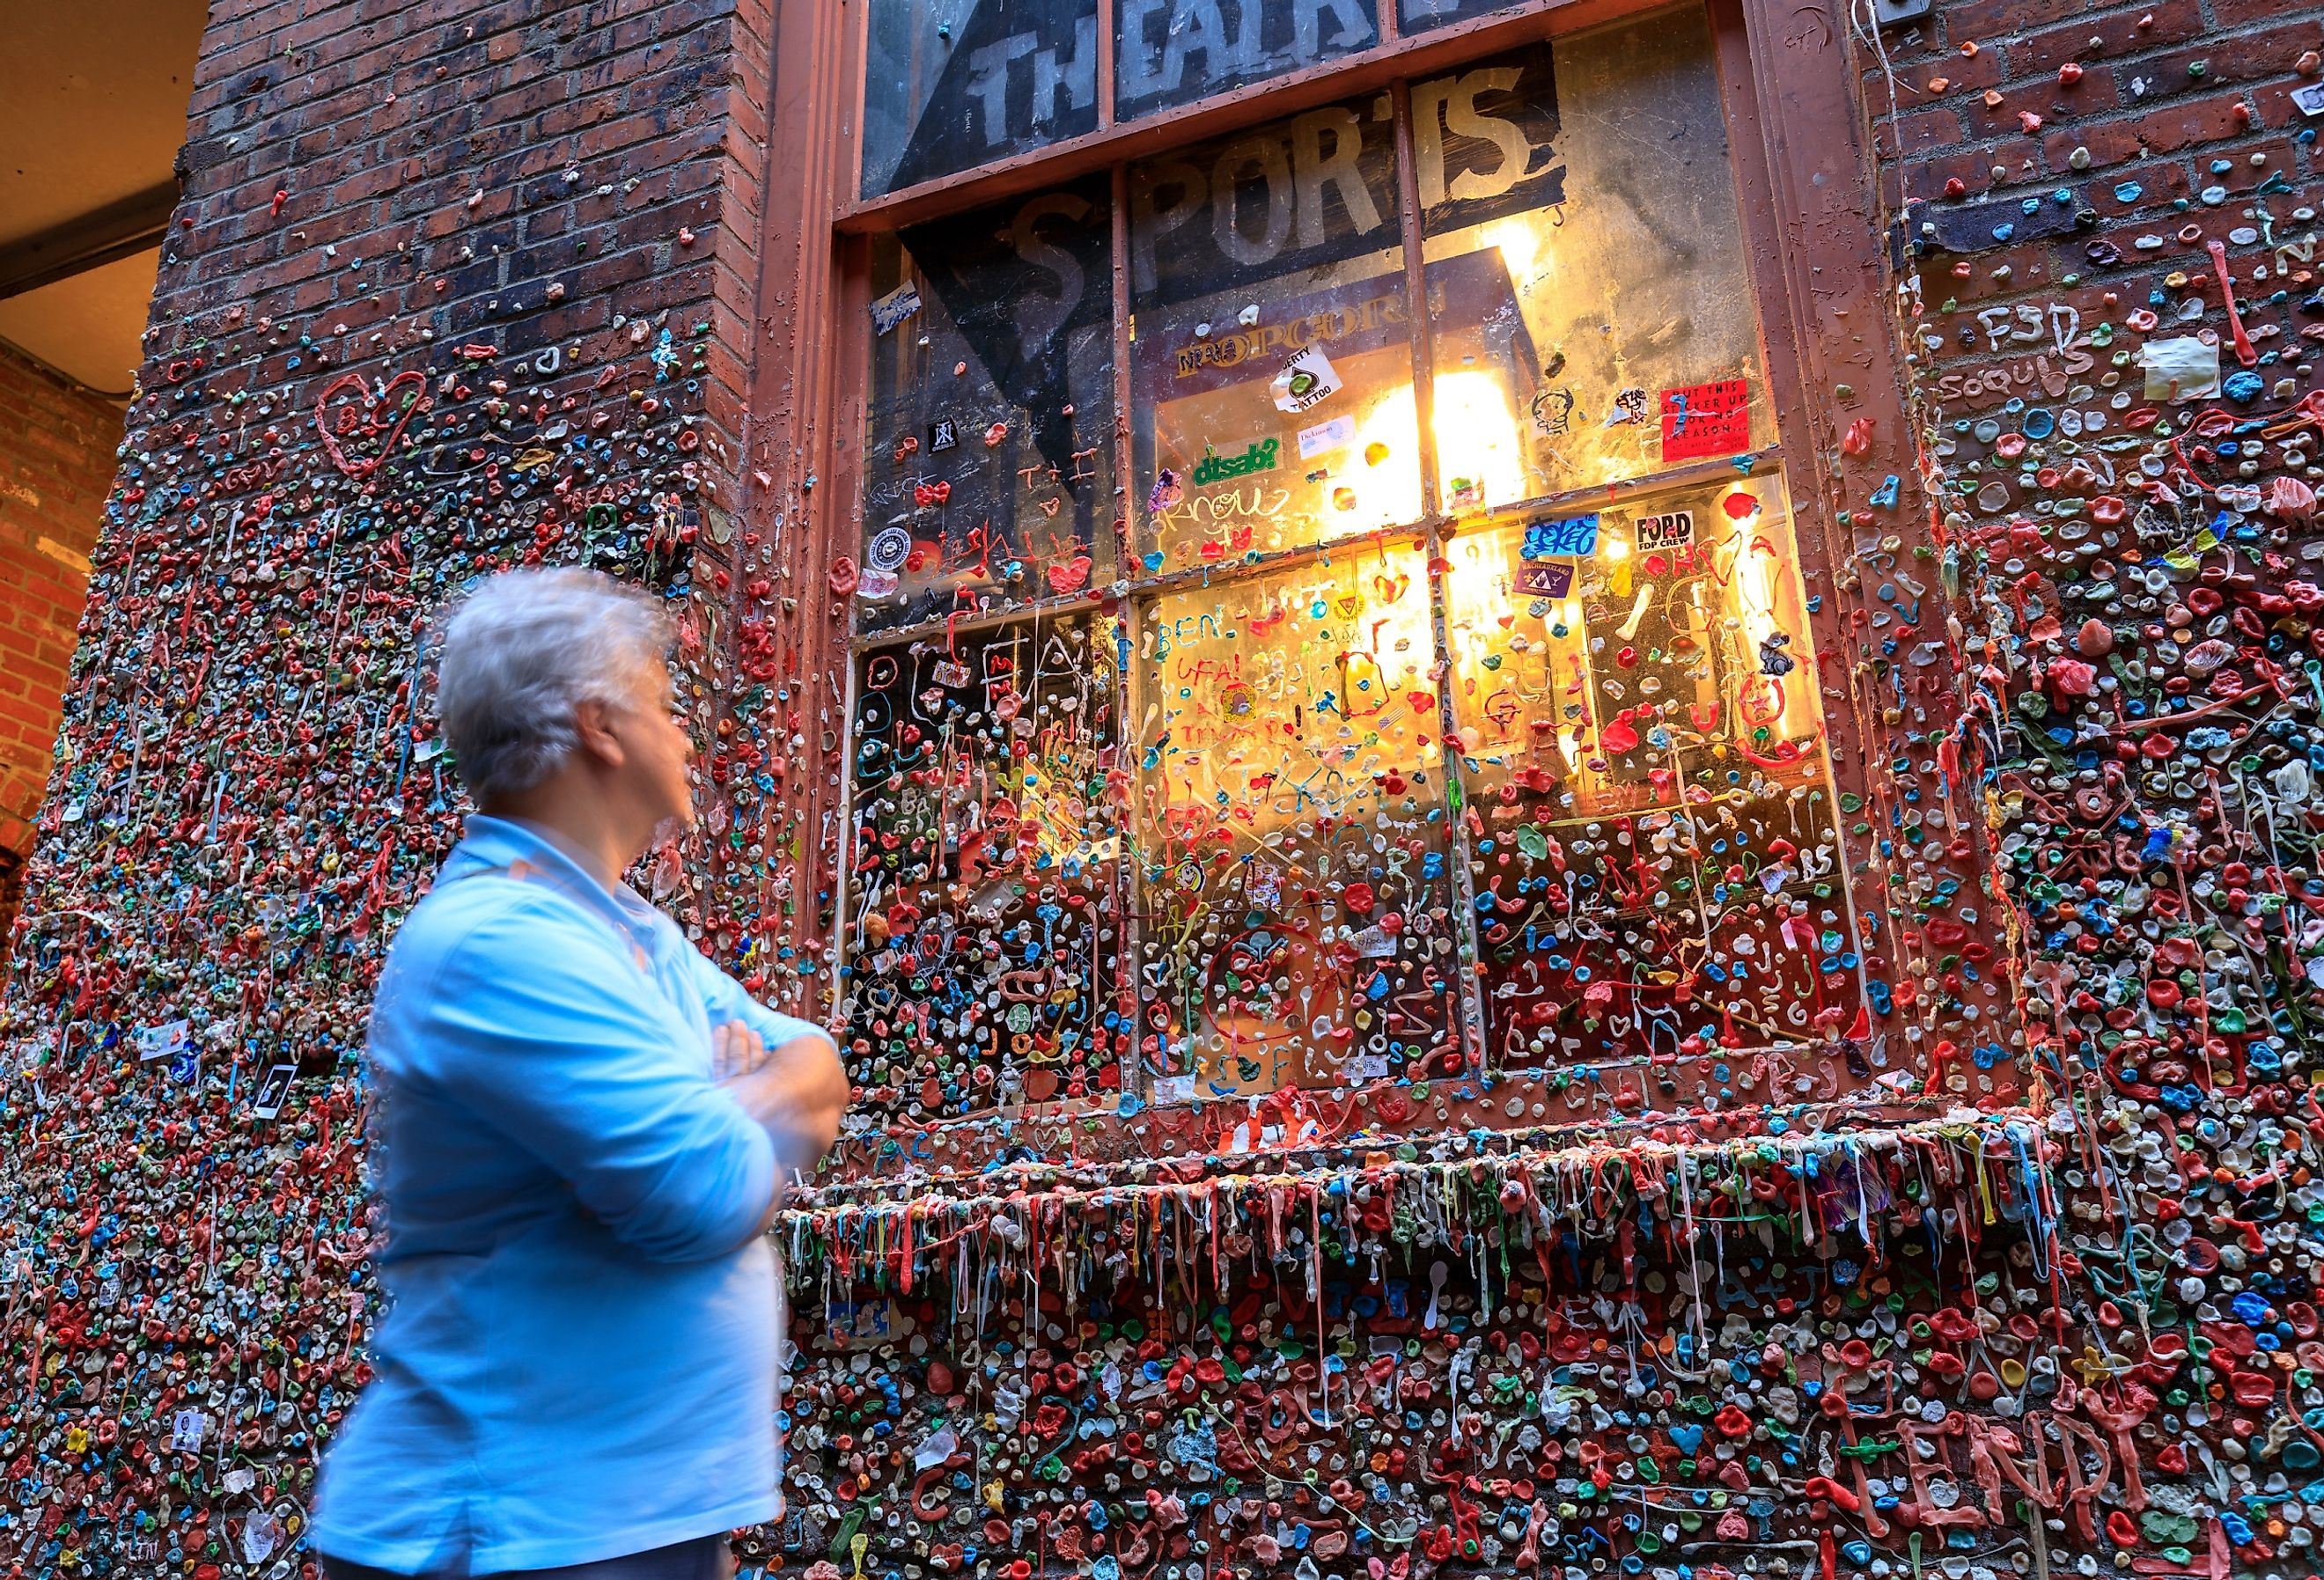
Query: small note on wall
{"x":1706,"y":420}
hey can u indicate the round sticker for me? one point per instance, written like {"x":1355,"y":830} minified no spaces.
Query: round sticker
{"x":889,"y":547}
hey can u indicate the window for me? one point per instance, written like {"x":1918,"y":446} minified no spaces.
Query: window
{"x":991,"y":437}
{"x":1254,"y":261}
{"x":1329,"y":607}
{"x":1642,"y":755}
{"x":1176,"y":51}
{"x":983,"y":928}
{"x":949,"y":85}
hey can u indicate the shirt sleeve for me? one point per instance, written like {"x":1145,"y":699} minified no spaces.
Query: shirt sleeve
{"x":727,"y":999}
{"x":546,"y":1033}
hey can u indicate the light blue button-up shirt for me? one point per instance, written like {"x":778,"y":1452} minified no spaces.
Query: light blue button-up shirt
{"x":580,"y":1355}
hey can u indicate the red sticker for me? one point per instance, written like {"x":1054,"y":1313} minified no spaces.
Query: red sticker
{"x":1706,"y":420}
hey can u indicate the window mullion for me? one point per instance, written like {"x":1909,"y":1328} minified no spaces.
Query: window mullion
{"x":858,"y":93}
{"x":1470,"y":1024}
{"x":1416,"y":293}
{"x":1105,"y":78}
{"x":1129,"y":893}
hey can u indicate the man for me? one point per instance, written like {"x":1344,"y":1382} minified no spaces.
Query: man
{"x":582,"y":1131}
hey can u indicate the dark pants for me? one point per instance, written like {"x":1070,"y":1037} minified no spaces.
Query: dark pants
{"x":705,"y":1557}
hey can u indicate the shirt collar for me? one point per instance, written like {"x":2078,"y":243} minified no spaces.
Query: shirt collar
{"x":494,"y":843}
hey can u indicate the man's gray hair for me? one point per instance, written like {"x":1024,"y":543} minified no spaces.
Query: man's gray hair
{"x":520,"y":653}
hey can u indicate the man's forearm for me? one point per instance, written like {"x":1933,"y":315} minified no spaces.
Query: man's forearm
{"x":799,"y":1095}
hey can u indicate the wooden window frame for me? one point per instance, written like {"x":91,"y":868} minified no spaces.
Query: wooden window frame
{"x":1788,"y":102}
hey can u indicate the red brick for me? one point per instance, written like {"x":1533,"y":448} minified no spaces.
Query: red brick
{"x":2117,"y":32}
{"x":2233,"y":13}
{"x":2166,"y":129}
{"x":2191,"y":122}
{"x":1987,"y":22}
{"x":2276,"y":109}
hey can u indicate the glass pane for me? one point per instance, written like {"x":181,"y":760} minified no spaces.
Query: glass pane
{"x":1297,"y":914}
{"x":1420,"y":15}
{"x":989,"y":461}
{"x":1174,"y":51}
{"x":1586,"y":189}
{"x":981,"y":938}
{"x":1642,"y":740}
{"x":952,"y":84}
{"x":1271,"y":354}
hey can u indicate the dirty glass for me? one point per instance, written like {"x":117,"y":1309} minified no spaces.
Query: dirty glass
{"x":1270,"y":360}
{"x":949,"y":85}
{"x":1421,"y":15}
{"x":1174,"y":51}
{"x":1656,"y":855}
{"x":1297,"y":907}
{"x":981,"y":927}
{"x":988,"y":456}
{"x":1588,"y":182}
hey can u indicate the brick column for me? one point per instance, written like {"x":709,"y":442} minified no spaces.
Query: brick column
{"x":57,"y":446}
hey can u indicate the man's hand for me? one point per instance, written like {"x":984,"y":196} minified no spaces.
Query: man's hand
{"x":735,"y":1051}
{"x":797,"y":1089}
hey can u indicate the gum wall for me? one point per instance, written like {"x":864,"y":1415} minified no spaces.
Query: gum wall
{"x":2010,"y":1268}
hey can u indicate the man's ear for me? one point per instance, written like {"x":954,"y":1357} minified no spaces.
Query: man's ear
{"x":595,"y":723}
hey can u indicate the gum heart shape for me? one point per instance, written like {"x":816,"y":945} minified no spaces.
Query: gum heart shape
{"x":1688,"y":1439}
{"x":1070,"y":576}
{"x":359,"y":430}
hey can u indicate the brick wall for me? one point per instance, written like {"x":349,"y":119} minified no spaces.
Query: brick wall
{"x":56,"y":444}
{"x":458,"y":286}
{"x":2132,"y":569}
{"x":451,"y":286}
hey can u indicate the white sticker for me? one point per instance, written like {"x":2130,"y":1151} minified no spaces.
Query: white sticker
{"x":895,"y":307}
{"x":1367,"y":1066}
{"x":273,"y":1091}
{"x":2179,"y":369}
{"x":2310,"y":97}
{"x":1174,"y":1089}
{"x":888,"y":549}
{"x":1337,"y":434}
{"x":260,"y":1536}
{"x":162,"y":1041}
{"x":1306,"y":380}
{"x":1374,"y":943}
{"x":940,"y":1447}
